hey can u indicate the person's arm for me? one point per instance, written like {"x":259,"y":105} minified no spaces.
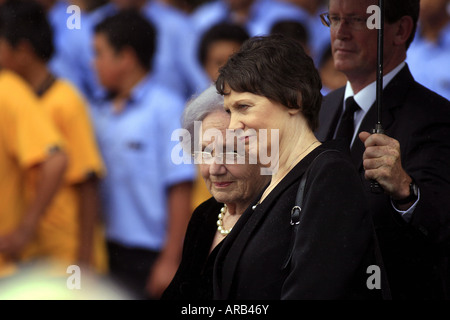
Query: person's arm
{"x":89,"y":208}
{"x":51,"y":173}
{"x":179,"y":204}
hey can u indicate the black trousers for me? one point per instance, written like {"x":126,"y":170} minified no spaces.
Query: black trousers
{"x":130,"y":268}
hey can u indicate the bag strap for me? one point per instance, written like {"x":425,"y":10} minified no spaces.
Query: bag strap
{"x":297,"y":210}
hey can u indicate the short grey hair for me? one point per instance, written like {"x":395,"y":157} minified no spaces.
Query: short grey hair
{"x":198,"y":108}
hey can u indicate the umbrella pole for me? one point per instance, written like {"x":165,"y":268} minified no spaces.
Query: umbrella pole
{"x":374,"y":185}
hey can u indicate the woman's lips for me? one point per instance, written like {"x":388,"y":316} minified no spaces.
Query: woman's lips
{"x":246,"y":138}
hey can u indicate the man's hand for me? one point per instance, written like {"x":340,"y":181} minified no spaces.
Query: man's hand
{"x":382,"y":163}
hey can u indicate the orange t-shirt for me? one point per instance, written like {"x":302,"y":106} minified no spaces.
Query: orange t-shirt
{"x":26,"y":138}
{"x":58,"y":234}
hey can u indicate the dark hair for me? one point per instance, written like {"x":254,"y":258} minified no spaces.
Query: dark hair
{"x":223,"y":31}
{"x":395,"y":9}
{"x":129,"y":29}
{"x":27,"y":21}
{"x":293,"y":29}
{"x":277,"y":68}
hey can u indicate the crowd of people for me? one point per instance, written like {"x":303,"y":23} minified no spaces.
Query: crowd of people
{"x":87,"y":116}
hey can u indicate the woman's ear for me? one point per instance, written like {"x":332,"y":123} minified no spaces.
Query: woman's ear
{"x":293,"y":111}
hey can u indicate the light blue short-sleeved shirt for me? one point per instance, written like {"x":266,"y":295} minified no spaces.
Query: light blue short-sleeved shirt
{"x":64,"y":59}
{"x":263,"y":15}
{"x":430,"y":62}
{"x":172,"y":64}
{"x":136,"y":147}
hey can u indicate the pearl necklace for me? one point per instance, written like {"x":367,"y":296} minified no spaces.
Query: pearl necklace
{"x":220,"y":228}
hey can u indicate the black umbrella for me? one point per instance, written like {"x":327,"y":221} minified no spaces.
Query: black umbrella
{"x":374,"y":185}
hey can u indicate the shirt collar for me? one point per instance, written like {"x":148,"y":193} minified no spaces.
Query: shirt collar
{"x":367,"y":96}
{"x":139,"y":90}
{"x":136,"y":94}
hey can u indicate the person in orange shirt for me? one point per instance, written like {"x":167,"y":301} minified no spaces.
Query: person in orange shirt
{"x":69,"y":232}
{"x":28,"y":142}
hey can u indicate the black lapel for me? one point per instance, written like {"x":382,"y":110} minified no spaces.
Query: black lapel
{"x":330,"y":112}
{"x":236,"y":241}
{"x":393,"y":96}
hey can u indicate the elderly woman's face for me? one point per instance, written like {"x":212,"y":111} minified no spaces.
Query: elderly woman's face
{"x":229,"y":183}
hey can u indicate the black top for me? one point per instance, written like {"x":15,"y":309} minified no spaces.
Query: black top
{"x":333,"y":246}
{"x":193,"y":279}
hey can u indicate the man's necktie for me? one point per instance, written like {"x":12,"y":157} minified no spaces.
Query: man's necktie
{"x":346,"y":127}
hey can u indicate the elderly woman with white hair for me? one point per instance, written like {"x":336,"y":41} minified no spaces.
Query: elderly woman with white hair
{"x":233,"y":186}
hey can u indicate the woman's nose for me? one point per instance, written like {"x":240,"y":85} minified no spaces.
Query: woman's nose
{"x":217,"y":167}
{"x":235,"y":123}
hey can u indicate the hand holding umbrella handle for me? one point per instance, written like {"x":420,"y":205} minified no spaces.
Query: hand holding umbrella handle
{"x":375,"y":187}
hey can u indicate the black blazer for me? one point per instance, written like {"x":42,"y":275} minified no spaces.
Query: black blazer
{"x":333,"y":245}
{"x":193,"y":279}
{"x":415,"y":253}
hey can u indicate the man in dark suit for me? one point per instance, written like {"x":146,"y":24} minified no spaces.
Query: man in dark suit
{"x":411,"y":161}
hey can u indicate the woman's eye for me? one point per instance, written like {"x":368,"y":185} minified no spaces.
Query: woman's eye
{"x":241,"y":106}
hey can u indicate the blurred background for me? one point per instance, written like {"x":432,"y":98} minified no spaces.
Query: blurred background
{"x":104,"y":69}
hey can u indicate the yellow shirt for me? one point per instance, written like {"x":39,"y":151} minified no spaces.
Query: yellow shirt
{"x":201,"y":192}
{"x":59,"y":234}
{"x":68,"y":111}
{"x":26,"y":138}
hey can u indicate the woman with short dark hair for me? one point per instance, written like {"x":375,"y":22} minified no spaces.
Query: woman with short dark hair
{"x":232,"y":183}
{"x":322,"y":249}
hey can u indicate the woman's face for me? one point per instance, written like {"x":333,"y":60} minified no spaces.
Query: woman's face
{"x":252,"y":113}
{"x":217,"y":55}
{"x":229,"y":183}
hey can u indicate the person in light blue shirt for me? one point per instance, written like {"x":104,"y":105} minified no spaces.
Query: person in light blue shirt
{"x":62,"y":62}
{"x":429,"y":54}
{"x":172,"y":64}
{"x":146,"y":196}
{"x":256,"y":16}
